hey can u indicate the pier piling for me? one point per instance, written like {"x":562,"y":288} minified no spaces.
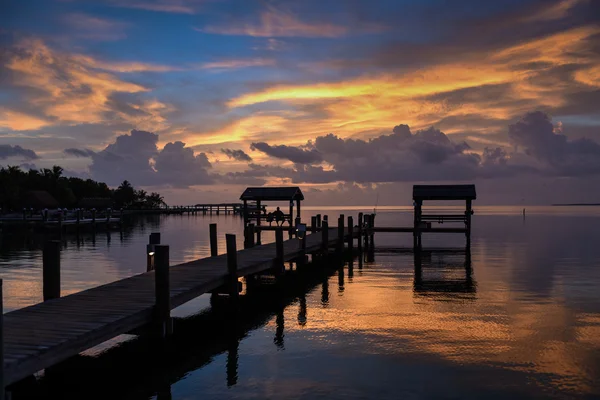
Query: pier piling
{"x":214,"y":251}
{"x":162,"y":291}
{"x":350,"y":234}
{"x":279,"y":249}
{"x":2,"y":397}
{"x":340,"y":243}
{"x":153,"y":240}
{"x":51,"y":270}
{"x":232,"y":266}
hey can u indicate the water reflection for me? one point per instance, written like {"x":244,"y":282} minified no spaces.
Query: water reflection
{"x":444,"y":274}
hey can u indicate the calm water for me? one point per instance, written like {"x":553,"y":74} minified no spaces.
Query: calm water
{"x":523,"y":321}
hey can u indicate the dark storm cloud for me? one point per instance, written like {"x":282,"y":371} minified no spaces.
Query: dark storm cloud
{"x":291,"y":153}
{"x":540,"y":139}
{"x":238,"y":155}
{"x":84,"y":153}
{"x":135,"y":157}
{"x":430,"y":155}
{"x":7,"y":151}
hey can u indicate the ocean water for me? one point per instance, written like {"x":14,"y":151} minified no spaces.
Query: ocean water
{"x":518,"y":317}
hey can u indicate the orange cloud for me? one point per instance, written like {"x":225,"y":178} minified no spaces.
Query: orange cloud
{"x":73,"y":89}
{"x":375,"y":103}
{"x":17,"y":121}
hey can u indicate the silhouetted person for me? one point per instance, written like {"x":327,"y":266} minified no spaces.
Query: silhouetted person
{"x":270,"y":218}
{"x":279,"y":216}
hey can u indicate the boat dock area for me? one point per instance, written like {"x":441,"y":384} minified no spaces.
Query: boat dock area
{"x":39,"y":336}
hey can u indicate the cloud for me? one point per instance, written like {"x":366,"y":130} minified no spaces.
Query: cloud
{"x":95,"y":28}
{"x":69,"y":89}
{"x":136,"y":157}
{"x":167,"y":6}
{"x":84,"y":153}
{"x":538,"y":137}
{"x":277,"y":23}
{"x":293,"y":154}
{"x":238,"y":155}
{"x":7,"y":151}
{"x":237,"y":64}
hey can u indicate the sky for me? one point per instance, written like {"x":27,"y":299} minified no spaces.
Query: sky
{"x":354,"y":101}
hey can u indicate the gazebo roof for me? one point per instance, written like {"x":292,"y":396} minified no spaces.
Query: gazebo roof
{"x":444,"y":192}
{"x":287,"y":193}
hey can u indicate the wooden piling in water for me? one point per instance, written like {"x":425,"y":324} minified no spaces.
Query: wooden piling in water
{"x":350,"y":234}
{"x":232,"y":266}
{"x":367,"y":232}
{"x":51,"y":270}
{"x":313,"y":224}
{"x":162,"y":291}
{"x":279,"y":250}
{"x":325,"y":236}
{"x":1,"y":343}
{"x":214,"y":251}
{"x":340,"y":243}
{"x":360,"y":231}
{"x":318,"y":220}
{"x":249,"y":236}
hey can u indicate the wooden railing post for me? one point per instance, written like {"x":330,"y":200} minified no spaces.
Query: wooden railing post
{"x":340,"y":243}
{"x":214,"y":251}
{"x":318,"y":220}
{"x":153,"y":240}
{"x":279,"y":249}
{"x":325,"y":236}
{"x":360,"y":231}
{"x":232,"y":266}
{"x":313,"y":224}
{"x":367,"y":231}
{"x":162,"y":290}
{"x":350,"y":234}
{"x":1,"y":343}
{"x":51,"y":270}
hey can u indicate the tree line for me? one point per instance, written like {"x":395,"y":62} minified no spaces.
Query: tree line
{"x":15,"y":184}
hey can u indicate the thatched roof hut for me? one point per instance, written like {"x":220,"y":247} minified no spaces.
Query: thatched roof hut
{"x":39,"y":199}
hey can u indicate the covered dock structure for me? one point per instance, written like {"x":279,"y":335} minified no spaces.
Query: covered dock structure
{"x":289,"y":194}
{"x":422,"y":222}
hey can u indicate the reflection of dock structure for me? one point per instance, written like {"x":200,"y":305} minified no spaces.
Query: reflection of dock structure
{"x":440,"y":274}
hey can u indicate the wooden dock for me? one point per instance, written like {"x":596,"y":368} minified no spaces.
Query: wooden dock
{"x":39,"y":336}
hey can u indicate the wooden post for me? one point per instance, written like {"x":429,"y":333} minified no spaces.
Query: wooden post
{"x":213,"y":240}
{"x":325,"y":236}
{"x":153,"y":240}
{"x":367,"y":231}
{"x":1,"y":343}
{"x":258,"y":222}
{"x":318,"y":220}
{"x":250,"y":235}
{"x":326,"y":218}
{"x":468,"y":213}
{"x":232,"y":266}
{"x":360,"y":231}
{"x":298,"y":209}
{"x":296,"y":223}
{"x":279,"y":266}
{"x":51,"y":270}
{"x":162,"y":291}
{"x":340,"y":243}
{"x":350,"y":234}
{"x":371,"y":248}
{"x":417,"y":223}
{"x":313,"y":224}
